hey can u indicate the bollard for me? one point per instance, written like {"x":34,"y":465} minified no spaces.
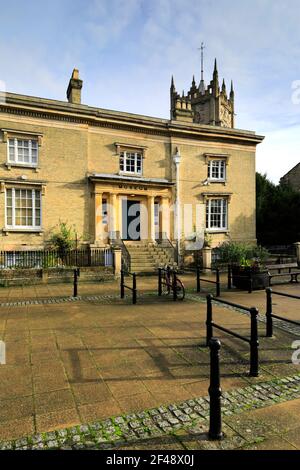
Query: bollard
{"x":209,"y":326}
{"x":269,"y":320}
{"x":75,"y":283}
{"x":215,"y":392}
{"x":122,"y":285}
{"x":229,"y":277}
{"x":174,"y":286}
{"x":254,"y":343}
{"x":198,"y":279}
{"x":134,"y":288}
{"x":218,"y":284}
{"x":159,"y":281}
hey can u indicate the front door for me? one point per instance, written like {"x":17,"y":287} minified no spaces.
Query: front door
{"x":131,"y":220}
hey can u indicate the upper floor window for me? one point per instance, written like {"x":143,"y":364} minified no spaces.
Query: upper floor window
{"x":131,"y":162}
{"x":23,"y":151}
{"x":23,"y":208}
{"x":217,"y":170}
{"x":216,"y":214}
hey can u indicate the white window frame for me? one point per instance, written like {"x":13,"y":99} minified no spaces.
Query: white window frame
{"x":221,"y":167}
{"x":209,"y":214}
{"x":123,"y":154}
{"x":16,"y":161}
{"x":23,"y":227}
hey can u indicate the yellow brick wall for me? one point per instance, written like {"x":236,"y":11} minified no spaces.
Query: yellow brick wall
{"x":71,"y":151}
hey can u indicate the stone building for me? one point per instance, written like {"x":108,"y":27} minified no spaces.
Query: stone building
{"x":106,"y":172}
{"x":292,"y":177}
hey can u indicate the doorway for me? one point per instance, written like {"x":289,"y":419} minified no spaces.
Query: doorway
{"x":131,"y":220}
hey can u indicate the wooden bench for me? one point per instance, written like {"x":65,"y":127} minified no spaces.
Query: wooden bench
{"x":294,"y":276}
{"x":280,"y":267}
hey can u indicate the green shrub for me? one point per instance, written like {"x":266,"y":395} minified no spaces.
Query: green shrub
{"x":242,"y":254}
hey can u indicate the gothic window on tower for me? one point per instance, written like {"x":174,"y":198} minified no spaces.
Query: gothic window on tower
{"x":217,"y":170}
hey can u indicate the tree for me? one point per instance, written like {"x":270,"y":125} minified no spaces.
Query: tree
{"x":277,"y":212}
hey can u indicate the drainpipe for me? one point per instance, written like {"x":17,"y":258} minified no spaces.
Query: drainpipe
{"x":176,"y":160}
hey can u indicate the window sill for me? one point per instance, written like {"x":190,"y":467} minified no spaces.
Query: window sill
{"x":11,"y":165}
{"x":217,"y":181}
{"x":221,"y":230}
{"x":7,"y":230}
{"x":128,"y":173}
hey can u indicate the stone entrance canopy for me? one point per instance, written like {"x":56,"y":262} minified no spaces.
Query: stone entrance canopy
{"x":153,"y":199}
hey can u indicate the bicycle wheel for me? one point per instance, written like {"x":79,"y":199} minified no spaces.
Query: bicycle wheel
{"x":166,"y":289}
{"x":180,"y":290}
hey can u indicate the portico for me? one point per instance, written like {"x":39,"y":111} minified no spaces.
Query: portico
{"x":131,"y":209}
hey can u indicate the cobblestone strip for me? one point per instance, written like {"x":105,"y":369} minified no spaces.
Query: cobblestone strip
{"x":162,"y":421}
{"x":60,"y":300}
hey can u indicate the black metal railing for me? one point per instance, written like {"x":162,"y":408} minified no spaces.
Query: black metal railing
{"x":56,"y":258}
{"x":269,"y":310}
{"x":252,"y":341}
{"x":198,"y":271}
{"x":124,"y":286}
{"x":169,"y":280}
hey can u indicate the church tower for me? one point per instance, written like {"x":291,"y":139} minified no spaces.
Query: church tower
{"x":204,"y":105}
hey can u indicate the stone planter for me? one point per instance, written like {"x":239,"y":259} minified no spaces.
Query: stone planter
{"x":241,"y":276}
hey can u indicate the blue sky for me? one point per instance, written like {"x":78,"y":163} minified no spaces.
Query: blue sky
{"x":127,"y":50}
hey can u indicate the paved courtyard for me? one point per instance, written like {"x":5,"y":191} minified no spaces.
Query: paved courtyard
{"x":79,"y":362}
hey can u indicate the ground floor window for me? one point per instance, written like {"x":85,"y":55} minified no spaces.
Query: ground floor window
{"x":216,"y":214}
{"x":23,"y":208}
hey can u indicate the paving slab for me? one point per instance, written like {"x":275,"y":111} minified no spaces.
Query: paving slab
{"x":72,"y":362}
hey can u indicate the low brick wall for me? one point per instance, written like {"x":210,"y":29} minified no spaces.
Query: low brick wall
{"x":22,"y":277}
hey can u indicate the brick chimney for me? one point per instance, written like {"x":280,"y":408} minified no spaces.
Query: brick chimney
{"x":74,"y":88}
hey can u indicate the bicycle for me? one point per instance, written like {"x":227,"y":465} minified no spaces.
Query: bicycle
{"x":168,"y":283}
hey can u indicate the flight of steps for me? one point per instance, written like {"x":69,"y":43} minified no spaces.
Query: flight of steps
{"x":147,"y":257}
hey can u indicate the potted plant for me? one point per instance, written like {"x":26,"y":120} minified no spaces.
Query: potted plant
{"x":247,"y":262}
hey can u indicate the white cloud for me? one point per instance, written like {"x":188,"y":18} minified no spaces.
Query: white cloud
{"x":279,"y":152}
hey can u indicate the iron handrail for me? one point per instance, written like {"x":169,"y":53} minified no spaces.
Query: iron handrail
{"x":269,"y":311}
{"x":252,"y":341}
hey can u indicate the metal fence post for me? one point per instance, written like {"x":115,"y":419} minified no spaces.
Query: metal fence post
{"x":269,"y":320}
{"x":228,"y":276}
{"x":122,"y":285}
{"x":254,"y":343}
{"x":218,"y":284}
{"x":174,"y":286}
{"x":215,"y":392}
{"x":198,"y":279}
{"x":134,"y":288}
{"x":75,"y":283}
{"x":209,"y":327}
{"x":159,"y":282}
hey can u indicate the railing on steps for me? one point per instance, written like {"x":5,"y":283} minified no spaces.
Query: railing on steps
{"x":165,"y":243}
{"x":126,"y":260}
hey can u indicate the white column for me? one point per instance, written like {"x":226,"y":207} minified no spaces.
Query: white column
{"x":112,"y":216}
{"x":151,"y":218}
{"x":165,"y":217}
{"x":98,"y":218}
